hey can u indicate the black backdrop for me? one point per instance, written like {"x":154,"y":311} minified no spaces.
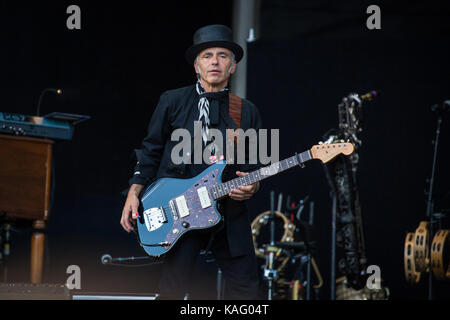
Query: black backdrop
{"x":310,"y":55}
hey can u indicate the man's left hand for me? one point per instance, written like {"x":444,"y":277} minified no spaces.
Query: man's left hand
{"x":243,"y":192}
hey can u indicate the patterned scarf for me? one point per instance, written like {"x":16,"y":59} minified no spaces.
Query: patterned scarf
{"x":204,"y":111}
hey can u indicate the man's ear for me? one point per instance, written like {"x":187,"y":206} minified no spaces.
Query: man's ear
{"x":232,"y":68}
{"x":196,"y":67}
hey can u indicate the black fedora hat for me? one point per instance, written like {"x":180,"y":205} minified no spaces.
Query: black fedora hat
{"x":215,"y":35}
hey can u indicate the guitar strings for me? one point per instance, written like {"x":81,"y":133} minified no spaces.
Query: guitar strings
{"x":239,"y":181}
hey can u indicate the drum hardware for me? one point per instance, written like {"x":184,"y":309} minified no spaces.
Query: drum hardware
{"x":275,"y":257}
{"x":270,"y":274}
{"x":286,"y":252}
{"x":300,"y":256}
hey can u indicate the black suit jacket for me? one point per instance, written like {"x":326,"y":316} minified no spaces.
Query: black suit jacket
{"x":177,"y":109}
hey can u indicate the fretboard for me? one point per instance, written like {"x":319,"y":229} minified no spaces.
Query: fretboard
{"x":223,"y":189}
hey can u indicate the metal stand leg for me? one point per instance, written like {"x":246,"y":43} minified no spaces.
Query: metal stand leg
{"x":430,"y":208}
{"x":308,"y":272}
{"x":333,"y":249}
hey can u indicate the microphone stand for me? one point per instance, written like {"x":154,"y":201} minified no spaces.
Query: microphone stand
{"x":430,"y":203}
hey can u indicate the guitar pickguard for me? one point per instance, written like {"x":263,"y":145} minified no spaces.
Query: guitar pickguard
{"x":198,"y":217}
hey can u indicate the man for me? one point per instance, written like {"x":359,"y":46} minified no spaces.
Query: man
{"x":214,"y":57}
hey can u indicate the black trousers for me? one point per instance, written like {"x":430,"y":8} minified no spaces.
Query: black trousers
{"x":240,"y":273}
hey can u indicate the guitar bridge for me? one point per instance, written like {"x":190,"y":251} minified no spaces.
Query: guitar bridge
{"x":154,"y":218}
{"x":173,"y":210}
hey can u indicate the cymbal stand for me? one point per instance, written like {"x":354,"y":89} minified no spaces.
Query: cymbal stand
{"x":270,"y":274}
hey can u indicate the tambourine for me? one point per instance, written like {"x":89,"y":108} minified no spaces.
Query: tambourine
{"x":440,"y":254}
{"x":421,"y":244}
{"x":411,"y":274}
{"x":288,"y":235}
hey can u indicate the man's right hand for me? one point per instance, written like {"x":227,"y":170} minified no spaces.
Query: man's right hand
{"x":131,"y":207}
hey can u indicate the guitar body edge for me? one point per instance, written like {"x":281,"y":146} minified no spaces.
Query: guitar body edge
{"x":158,"y":234}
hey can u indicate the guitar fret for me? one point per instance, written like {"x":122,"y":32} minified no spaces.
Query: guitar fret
{"x":223,"y":189}
{"x":290,"y":162}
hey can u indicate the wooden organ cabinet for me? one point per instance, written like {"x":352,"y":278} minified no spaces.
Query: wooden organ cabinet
{"x":25,"y":183}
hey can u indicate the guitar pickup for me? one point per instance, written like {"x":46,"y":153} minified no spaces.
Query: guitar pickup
{"x":203,"y":195}
{"x":179,"y":207}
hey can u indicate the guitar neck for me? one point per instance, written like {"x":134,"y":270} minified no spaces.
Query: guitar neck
{"x":221,"y":190}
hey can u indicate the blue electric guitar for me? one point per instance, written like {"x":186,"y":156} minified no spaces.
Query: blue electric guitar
{"x":172,"y":207}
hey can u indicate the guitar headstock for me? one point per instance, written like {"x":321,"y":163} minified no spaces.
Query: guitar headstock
{"x":327,"y":151}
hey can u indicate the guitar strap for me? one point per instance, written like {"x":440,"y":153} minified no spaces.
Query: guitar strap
{"x":235,"y":108}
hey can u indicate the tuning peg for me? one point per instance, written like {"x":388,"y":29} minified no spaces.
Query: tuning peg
{"x":320,"y":142}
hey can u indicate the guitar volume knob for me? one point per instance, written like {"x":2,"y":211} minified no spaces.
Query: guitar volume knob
{"x":185,"y":224}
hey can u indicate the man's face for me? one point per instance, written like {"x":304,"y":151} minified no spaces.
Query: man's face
{"x":215,"y":65}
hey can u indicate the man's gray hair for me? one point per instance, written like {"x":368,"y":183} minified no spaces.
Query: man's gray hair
{"x":233,"y":57}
